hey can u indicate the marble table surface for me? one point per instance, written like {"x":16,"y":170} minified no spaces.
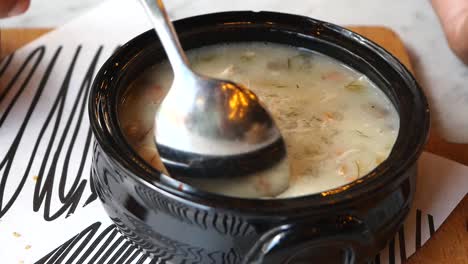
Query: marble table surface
{"x":443,"y":77}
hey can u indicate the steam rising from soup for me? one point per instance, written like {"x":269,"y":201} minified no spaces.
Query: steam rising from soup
{"x":338,"y":126}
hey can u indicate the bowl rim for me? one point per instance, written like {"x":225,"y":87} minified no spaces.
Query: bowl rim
{"x":103,"y":122}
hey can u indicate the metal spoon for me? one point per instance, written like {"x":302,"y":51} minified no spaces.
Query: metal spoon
{"x":209,"y":129}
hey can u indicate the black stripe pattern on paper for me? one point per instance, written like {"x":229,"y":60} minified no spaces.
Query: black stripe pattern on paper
{"x":96,"y":244}
{"x":56,"y":140}
{"x":400,"y":252}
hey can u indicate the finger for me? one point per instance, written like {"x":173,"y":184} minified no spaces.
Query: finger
{"x":13,"y":7}
{"x":453,"y":15}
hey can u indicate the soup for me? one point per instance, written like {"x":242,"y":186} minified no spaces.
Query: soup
{"x":337,"y":125}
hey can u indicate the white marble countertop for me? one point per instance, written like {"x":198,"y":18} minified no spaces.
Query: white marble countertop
{"x":443,"y":77}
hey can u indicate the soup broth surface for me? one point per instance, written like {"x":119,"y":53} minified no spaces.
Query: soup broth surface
{"x":338,"y":126}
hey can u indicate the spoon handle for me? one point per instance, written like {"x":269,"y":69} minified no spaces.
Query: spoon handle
{"x":167,"y":34}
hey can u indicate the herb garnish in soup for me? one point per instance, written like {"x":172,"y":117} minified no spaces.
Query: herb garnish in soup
{"x":338,"y":126}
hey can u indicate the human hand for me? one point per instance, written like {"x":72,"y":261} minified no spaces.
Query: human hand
{"x":454,"y":17}
{"x":10,"y":8}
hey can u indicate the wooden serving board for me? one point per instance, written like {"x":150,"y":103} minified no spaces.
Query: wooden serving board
{"x":450,"y":243}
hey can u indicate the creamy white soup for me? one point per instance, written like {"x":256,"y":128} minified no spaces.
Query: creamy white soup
{"x":338,"y":126}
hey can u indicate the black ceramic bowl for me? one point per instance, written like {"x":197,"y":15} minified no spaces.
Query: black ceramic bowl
{"x":344,"y":225}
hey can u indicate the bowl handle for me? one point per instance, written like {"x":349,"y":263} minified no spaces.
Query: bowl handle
{"x":303,"y":242}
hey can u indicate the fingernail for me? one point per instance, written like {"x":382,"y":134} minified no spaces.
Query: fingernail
{"x":20,"y":7}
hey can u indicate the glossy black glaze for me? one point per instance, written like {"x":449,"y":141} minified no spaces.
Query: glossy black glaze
{"x":345,"y":225}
